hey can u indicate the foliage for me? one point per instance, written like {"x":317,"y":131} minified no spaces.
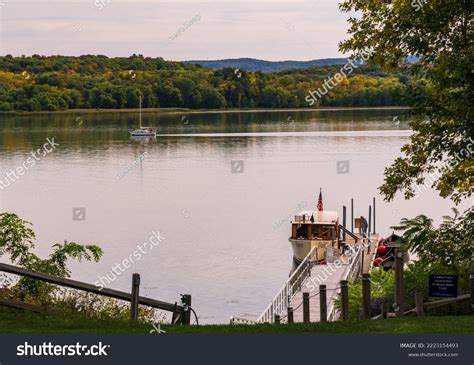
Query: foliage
{"x":58,"y":82}
{"x":16,"y":241}
{"x":438,"y":36}
{"x":450,"y":245}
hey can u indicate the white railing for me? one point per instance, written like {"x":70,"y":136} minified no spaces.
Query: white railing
{"x":281,"y":301}
{"x":354,"y":264}
{"x":351,"y":274}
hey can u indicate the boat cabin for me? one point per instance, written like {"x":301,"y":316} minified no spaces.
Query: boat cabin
{"x":318,"y":229}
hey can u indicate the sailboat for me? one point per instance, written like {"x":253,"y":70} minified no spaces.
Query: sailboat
{"x":143,"y":131}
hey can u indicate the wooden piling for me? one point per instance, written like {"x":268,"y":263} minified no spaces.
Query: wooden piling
{"x":323,"y":304}
{"x":370,"y":220}
{"x":399,"y":285}
{"x":306,"y":318}
{"x":344,"y":209}
{"x":345,"y":300}
{"x":366,"y":300}
{"x":135,"y":295}
{"x":290,"y":315}
{"x":352,"y":215}
{"x":419,"y":304}
{"x":373,"y":204}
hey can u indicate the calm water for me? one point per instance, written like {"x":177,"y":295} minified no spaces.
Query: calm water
{"x":223,"y":242}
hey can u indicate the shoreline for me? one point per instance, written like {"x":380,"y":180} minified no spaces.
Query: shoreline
{"x":196,"y":111}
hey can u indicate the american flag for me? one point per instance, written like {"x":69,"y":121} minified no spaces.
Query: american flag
{"x":320,"y":201}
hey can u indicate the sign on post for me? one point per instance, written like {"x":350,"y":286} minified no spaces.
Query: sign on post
{"x":443,"y":286}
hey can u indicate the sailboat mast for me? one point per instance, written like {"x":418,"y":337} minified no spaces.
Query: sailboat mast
{"x":140,"y":111}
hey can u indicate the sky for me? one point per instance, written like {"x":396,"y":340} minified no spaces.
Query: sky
{"x":178,"y":30}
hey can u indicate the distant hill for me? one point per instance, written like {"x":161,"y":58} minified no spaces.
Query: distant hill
{"x":252,"y":64}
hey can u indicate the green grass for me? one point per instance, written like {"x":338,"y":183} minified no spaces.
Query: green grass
{"x":17,"y":321}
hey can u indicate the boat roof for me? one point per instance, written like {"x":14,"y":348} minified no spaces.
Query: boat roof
{"x":321,"y":217}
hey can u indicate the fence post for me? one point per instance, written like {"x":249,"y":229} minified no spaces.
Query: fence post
{"x":419,"y":304}
{"x":277,"y":319}
{"x":135,"y":295}
{"x":399,"y":289}
{"x":323,"y":304}
{"x":384,"y":310}
{"x":345,"y":300}
{"x":362,"y":261}
{"x":366,"y":301}
{"x":186,"y":313}
{"x":306,"y":307}
{"x":471,"y":277}
{"x":290,"y":315}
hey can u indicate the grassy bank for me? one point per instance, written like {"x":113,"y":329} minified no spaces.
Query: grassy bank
{"x":196,"y":111}
{"x":17,"y":321}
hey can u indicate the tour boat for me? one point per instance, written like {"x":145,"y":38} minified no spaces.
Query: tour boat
{"x":318,"y":229}
{"x":143,"y":131}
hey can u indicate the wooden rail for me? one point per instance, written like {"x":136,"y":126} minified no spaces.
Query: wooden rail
{"x":170,"y":307}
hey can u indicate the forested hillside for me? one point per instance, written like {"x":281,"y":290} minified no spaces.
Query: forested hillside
{"x":252,"y":64}
{"x":58,"y":82}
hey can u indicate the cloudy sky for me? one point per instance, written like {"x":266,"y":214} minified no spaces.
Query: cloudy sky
{"x":178,"y":30}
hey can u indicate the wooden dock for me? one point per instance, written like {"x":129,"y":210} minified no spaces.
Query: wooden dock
{"x":330,"y":275}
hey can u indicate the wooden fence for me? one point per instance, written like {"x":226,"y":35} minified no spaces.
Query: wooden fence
{"x":181,"y":313}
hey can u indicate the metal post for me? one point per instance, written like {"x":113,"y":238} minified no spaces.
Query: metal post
{"x":366,"y":300}
{"x":306,"y":307}
{"x":290,"y":315}
{"x":344,"y":223}
{"x":186,"y":314}
{"x":345,"y":300}
{"x":373,"y":203}
{"x":323,"y":304}
{"x":352,"y":215}
{"x":135,"y":295}
{"x":399,"y":289}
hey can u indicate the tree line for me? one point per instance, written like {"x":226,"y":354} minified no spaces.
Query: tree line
{"x":49,"y":83}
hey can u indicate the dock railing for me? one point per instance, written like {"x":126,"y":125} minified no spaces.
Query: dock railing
{"x":351,"y":274}
{"x":281,"y":301}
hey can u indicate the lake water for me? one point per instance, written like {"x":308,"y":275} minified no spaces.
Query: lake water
{"x":223,"y":240}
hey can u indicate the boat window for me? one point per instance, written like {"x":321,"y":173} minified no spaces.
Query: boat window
{"x":321,"y":232}
{"x":302,"y":231}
